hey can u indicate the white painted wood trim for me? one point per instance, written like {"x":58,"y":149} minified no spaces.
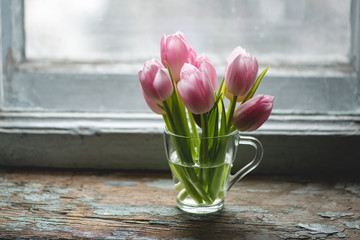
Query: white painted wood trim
{"x":292,"y":144}
{"x":149,"y":123}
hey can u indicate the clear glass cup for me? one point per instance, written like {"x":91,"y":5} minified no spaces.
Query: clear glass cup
{"x":201,"y":168}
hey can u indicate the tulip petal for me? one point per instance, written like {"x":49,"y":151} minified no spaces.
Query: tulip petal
{"x":148,"y":87}
{"x":211,"y":71}
{"x":240,"y":75}
{"x":207,"y":88}
{"x":236,"y":52}
{"x":154,"y":106}
{"x":253,"y":113}
{"x":195,"y":90}
{"x":187,"y":70}
{"x":192,"y":98}
{"x":147,"y":77}
{"x":162,"y":84}
{"x":175,"y":53}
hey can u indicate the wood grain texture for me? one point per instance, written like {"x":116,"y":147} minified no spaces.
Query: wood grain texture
{"x":138,"y":205}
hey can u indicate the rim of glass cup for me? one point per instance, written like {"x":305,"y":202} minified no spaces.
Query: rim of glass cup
{"x":186,"y":137}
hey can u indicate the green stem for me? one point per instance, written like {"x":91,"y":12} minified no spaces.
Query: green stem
{"x":197,"y":185}
{"x":204,"y":139}
{"x":204,"y":156}
{"x":181,"y":173}
{"x":196,"y":138}
{"x":187,"y":175}
{"x":218,"y":173}
{"x":230,"y":114}
{"x":169,"y":119}
{"x":182,"y":194}
{"x":167,"y":122}
{"x":193,"y":125}
{"x":215,"y":185}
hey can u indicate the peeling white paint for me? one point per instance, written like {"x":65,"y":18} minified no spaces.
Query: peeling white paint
{"x":245,"y":209}
{"x":167,"y":184}
{"x":319,"y":228}
{"x":121,"y":183}
{"x":104,"y":209}
{"x":40,"y":197}
{"x":335,"y":215}
{"x":352,"y":225}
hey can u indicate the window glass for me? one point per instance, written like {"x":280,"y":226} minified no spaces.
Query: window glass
{"x":130,"y":30}
{"x":307,"y":44}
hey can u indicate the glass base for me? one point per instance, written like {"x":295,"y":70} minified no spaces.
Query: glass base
{"x":190,"y":206}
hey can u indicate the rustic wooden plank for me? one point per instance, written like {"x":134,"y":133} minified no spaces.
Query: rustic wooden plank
{"x":133,"y":205}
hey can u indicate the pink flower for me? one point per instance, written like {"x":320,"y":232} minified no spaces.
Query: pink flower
{"x":154,"y":106}
{"x":253,"y":113}
{"x":195,"y":89}
{"x":203,"y":62}
{"x":240,"y":72}
{"x":155,"y":81}
{"x":176,"y":51}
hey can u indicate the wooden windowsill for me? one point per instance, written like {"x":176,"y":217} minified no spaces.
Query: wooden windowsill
{"x":137,"y":205}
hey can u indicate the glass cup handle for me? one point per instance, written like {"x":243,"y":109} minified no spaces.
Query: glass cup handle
{"x":253,"y":164}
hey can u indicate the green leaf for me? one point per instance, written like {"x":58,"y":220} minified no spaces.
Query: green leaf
{"x":213,"y":118}
{"x":256,"y":85}
{"x":167,"y":122}
{"x":222,"y":88}
{"x":214,"y":141}
{"x":230,"y":113}
{"x":177,"y":108}
{"x":195,"y":135}
{"x":213,"y":123}
{"x":193,"y":125}
{"x":223,"y":120}
{"x":171,"y":77}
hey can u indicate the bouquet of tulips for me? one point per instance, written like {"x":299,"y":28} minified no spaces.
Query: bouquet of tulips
{"x":182,"y":88}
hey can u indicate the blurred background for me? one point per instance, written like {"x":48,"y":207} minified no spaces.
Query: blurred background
{"x":130,"y":30}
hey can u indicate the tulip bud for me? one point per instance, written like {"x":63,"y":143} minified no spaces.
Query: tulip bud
{"x":176,"y":51}
{"x":195,"y":89}
{"x":240,"y":72}
{"x":155,"y":81}
{"x":253,"y":113}
{"x":154,"y":106}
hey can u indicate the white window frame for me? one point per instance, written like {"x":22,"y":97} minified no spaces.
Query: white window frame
{"x":99,"y":139}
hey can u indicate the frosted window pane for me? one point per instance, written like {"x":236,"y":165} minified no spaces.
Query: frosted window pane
{"x":130,"y":30}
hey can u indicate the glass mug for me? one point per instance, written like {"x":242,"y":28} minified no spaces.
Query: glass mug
{"x":201,"y":168}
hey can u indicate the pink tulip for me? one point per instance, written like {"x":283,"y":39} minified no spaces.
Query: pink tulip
{"x":155,"y":81}
{"x":240,"y":72}
{"x":195,"y":89}
{"x":253,"y":113}
{"x":176,"y":51}
{"x":203,"y":62}
{"x":154,"y":106}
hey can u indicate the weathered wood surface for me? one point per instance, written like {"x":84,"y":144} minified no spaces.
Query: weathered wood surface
{"x":135,"y":205}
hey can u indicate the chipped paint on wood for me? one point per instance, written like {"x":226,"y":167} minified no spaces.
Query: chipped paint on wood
{"x":352,"y":225}
{"x":335,"y":215}
{"x":93,"y":205}
{"x":242,"y":209}
{"x":319,"y":228}
{"x":121,"y":183}
{"x":167,"y":184}
{"x":127,"y":210}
